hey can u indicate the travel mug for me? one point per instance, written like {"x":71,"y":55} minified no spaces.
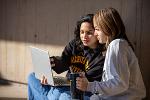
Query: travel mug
{"x":75,"y":93}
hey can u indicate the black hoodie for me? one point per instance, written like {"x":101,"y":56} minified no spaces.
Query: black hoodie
{"x":81,"y":58}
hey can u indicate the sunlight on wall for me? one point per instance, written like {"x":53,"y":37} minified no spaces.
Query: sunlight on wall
{"x":15,"y":58}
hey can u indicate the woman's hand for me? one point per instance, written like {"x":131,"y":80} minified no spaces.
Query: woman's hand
{"x":82,"y":82}
{"x":52,"y":61}
{"x":44,"y":80}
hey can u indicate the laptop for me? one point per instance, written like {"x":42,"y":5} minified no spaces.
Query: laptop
{"x":42,"y":66}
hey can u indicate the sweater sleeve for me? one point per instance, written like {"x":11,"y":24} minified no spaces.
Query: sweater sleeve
{"x":116,"y":73}
{"x":62,"y":63}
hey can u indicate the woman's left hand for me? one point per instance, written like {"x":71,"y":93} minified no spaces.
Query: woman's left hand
{"x":82,"y":82}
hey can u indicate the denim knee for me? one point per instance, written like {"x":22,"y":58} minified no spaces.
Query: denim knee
{"x":65,"y":96}
{"x":36,"y":89}
{"x":95,"y":97}
{"x":31,"y":77}
{"x":55,"y":92}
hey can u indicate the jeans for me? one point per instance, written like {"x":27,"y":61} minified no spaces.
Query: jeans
{"x":37,"y":91}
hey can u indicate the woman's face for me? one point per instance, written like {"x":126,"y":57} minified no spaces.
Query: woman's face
{"x":102,"y":38}
{"x":87,"y":35}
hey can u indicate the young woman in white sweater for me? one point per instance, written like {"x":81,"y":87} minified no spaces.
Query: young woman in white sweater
{"x":122,"y":79}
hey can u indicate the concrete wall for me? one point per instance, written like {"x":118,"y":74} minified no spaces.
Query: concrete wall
{"x":49,"y":24}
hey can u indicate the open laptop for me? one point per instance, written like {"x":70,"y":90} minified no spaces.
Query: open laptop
{"x":42,"y":66}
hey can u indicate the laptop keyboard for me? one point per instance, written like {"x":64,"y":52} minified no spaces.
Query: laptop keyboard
{"x":60,"y":80}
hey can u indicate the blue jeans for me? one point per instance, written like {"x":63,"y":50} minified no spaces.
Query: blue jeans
{"x":37,"y":91}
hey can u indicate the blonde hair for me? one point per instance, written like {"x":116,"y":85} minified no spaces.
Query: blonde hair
{"x":110,"y":23}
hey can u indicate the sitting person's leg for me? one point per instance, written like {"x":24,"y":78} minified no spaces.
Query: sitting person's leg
{"x":95,"y":97}
{"x":87,"y":95}
{"x":65,"y":95}
{"x":37,"y":91}
{"x":55,"y":93}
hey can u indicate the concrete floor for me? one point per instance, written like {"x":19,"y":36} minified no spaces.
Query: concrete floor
{"x":12,"y":91}
{"x":13,"y":98}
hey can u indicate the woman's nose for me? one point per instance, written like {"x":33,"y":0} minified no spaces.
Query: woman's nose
{"x":85,"y":35}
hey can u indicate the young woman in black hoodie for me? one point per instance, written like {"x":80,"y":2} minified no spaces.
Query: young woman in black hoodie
{"x":83,"y":53}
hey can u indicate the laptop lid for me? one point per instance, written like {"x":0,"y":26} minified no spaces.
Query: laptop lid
{"x":41,"y":64}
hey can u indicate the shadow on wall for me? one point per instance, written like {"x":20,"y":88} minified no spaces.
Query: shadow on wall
{"x":6,"y":82}
{"x":24,"y":21}
{"x":37,"y":38}
{"x":3,"y":81}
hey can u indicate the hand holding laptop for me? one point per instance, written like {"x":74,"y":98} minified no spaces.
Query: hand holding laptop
{"x":44,"y":80}
{"x":52,"y":62}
